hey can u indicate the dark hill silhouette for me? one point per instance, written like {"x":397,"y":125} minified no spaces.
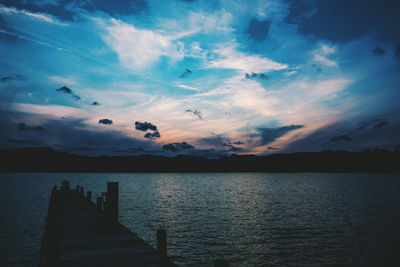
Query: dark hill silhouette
{"x":49,"y":160}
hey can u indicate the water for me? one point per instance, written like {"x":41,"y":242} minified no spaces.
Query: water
{"x":251,"y":219}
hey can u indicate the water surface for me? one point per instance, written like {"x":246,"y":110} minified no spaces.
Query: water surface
{"x":251,"y":219}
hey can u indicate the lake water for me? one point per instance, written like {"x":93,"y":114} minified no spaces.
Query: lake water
{"x":250,"y":219}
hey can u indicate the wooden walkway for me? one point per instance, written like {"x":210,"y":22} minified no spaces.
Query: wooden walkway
{"x":79,"y":232}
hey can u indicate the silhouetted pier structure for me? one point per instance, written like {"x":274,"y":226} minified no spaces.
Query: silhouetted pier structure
{"x":79,"y":232}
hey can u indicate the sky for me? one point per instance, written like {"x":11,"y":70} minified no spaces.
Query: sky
{"x":208,"y":78}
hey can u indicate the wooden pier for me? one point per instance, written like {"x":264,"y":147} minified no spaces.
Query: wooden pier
{"x":79,"y":232}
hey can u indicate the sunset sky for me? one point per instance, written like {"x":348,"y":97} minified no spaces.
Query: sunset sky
{"x":199,"y":77}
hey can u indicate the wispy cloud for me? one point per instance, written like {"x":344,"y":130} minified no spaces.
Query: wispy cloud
{"x":230,"y":58}
{"x":37,"y":16}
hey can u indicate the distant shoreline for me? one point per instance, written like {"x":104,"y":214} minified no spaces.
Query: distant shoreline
{"x":49,"y":160}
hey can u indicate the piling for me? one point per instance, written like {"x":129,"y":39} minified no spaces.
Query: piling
{"x":99,"y":203}
{"x":89,"y":195}
{"x":111,"y":203}
{"x":162,"y":245}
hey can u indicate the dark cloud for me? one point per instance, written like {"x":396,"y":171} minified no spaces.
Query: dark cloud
{"x":397,"y":53}
{"x":195,"y":112}
{"x":7,"y":78}
{"x":31,"y":141}
{"x":12,"y":77}
{"x":63,"y":133}
{"x":68,"y":91}
{"x":379,"y":125}
{"x":116,"y":7}
{"x":176,"y":147}
{"x":185,"y":73}
{"x":147,"y":126}
{"x":144,"y":126}
{"x":253,"y":75}
{"x":341,"y":138}
{"x":268,"y":135}
{"x":238,"y":143}
{"x":336,"y":20}
{"x":26,"y":127}
{"x":273,"y":148}
{"x":215,"y":141}
{"x":95,"y":103}
{"x":363,"y":136}
{"x":258,"y":30}
{"x":231,"y":147}
{"x":152,"y":135}
{"x":379,"y":51}
{"x":105,"y":121}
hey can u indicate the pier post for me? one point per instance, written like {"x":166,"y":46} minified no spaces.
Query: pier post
{"x":77,"y":187}
{"x":82,"y":191}
{"x":111,"y":204}
{"x":89,"y":195}
{"x":162,"y":245}
{"x":99,"y":203}
{"x":221,"y":263}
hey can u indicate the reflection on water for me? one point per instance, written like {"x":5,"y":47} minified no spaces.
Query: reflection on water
{"x":251,"y":219}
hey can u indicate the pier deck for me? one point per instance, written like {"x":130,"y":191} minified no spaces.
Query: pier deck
{"x":79,"y":232}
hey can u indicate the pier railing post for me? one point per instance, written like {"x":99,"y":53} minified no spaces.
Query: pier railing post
{"x":111,"y":203}
{"x":82,"y":190}
{"x":162,"y":245}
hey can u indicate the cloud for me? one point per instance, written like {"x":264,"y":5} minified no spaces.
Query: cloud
{"x":187,"y":87}
{"x":273,"y":148}
{"x":105,"y":121}
{"x":379,"y":125}
{"x":25,"y":127}
{"x":261,"y":76}
{"x":62,"y":134}
{"x":397,"y":53}
{"x":322,"y":19}
{"x":70,"y":81}
{"x":25,"y":141}
{"x":138,"y":49}
{"x":238,"y":143}
{"x":231,"y":147}
{"x":379,"y":51}
{"x":321,"y":56}
{"x":176,"y":147}
{"x":34,"y":15}
{"x":215,"y":141}
{"x":147,"y":126}
{"x":185,"y":73}
{"x":196,"y":112}
{"x":341,"y":138}
{"x":268,"y":135}
{"x":12,"y":77}
{"x":95,"y":103}
{"x":144,"y":126}
{"x":68,"y":91}
{"x":230,"y":58}
{"x":152,"y":135}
